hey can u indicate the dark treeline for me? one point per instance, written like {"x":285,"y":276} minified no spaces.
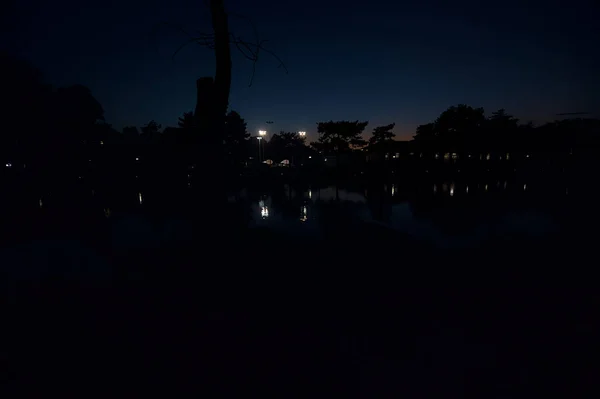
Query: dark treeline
{"x":462,"y":143}
{"x":58,"y":136}
{"x":466,"y":129}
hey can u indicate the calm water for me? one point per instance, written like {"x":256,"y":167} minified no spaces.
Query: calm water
{"x":450,"y":215}
{"x":445,"y":214}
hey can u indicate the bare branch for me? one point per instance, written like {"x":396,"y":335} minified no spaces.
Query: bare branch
{"x":249,"y":50}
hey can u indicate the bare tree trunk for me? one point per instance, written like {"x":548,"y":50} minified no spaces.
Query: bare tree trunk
{"x":223,"y":62}
{"x":211,"y":107}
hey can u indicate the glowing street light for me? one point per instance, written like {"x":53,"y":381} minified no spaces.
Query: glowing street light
{"x":261,"y":134}
{"x":302,"y":134}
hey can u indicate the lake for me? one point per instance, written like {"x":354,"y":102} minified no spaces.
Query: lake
{"x":444,"y":214}
{"x":351,"y":314}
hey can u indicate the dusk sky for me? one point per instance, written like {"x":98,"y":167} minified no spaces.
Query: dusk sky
{"x":381,"y":61}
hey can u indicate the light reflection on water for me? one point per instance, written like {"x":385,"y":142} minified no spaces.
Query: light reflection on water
{"x":439,"y":224}
{"x":299,"y":210}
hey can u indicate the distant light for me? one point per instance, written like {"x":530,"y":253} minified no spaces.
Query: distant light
{"x":9,"y":165}
{"x":90,"y":160}
{"x":41,"y":203}
{"x":467,"y":190}
{"x":264,"y":212}
{"x":452,"y":190}
{"x":527,"y":155}
{"x":137,"y":159}
{"x":310,"y":156}
{"x":262,"y":132}
{"x":486,"y":187}
{"x":325,"y":159}
{"x":140,"y":198}
{"x":101,"y":142}
{"x":302,"y":134}
{"x":524,"y":187}
{"x":309,"y":193}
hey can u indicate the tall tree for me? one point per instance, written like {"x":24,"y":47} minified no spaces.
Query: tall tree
{"x":459,"y":126}
{"x":151,"y":128}
{"x":186,"y":121}
{"x":382,"y":134}
{"x":26,"y":102}
{"x":76,"y":108}
{"x":150,"y":133}
{"x":425,"y":133}
{"x":286,"y":145}
{"x":236,"y":137}
{"x":501,"y":131}
{"x":339,"y":137}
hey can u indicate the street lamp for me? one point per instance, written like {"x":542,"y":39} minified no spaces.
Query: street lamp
{"x":261,"y":134}
{"x":302,"y":134}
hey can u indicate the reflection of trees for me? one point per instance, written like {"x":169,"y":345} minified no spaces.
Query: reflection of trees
{"x":458,"y":213}
{"x":379,"y":202}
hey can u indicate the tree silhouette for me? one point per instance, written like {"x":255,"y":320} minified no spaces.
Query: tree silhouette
{"x":457,"y":127}
{"x":213,"y":93}
{"x":26,"y":100}
{"x":236,"y":137}
{"x":152,"y":128}
{"x":286,"y":145}
{"x":339,"y":137}
{"x":501,"y":131}
{"x":186,"y":121}
{"x":382,"y":134}
{"x":500,"y":119}
{"x":77,"y":108}
{"x":425,"y":133}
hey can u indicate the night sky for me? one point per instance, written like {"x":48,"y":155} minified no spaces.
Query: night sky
{"x":381,"y":61}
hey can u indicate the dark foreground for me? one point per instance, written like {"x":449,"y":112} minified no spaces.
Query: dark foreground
{"x":363,"y":312}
